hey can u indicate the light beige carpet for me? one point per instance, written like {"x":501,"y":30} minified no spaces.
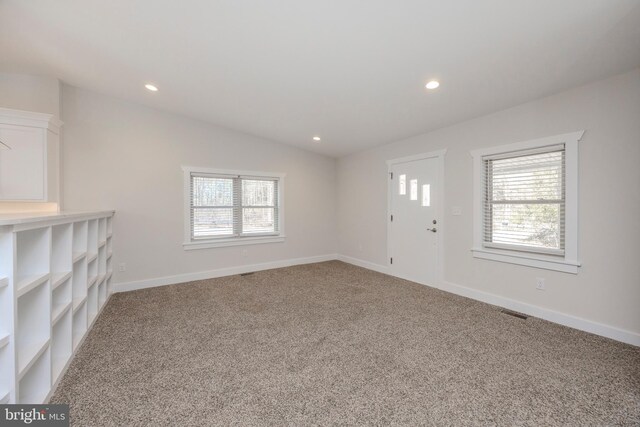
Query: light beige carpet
{"x":334,"y":344}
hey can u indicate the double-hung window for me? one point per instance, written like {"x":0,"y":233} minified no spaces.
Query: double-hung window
{"x":526,"y":203}
{"x":225,"y":208}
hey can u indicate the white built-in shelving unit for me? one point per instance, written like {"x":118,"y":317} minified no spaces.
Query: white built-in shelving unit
{"x":55,"y":278}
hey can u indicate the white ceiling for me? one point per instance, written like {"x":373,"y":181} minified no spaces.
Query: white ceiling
{"x":351,"y":71}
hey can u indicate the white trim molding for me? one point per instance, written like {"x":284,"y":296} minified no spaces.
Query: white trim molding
{"x":567,"y":263}
{"x":421,"y":156}
{"x":364,"y":264}
{"x":220,"y":272}
{"x":233,"y":241}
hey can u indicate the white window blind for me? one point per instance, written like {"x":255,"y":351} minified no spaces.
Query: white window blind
{"x":524,"y":200}
{"x":223,"y":206}
{"x":259,"y":205}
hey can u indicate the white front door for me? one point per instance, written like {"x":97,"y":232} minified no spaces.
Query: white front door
{"x":414,"y":222}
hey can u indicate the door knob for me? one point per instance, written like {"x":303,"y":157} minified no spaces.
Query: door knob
{"x":433,"y":230}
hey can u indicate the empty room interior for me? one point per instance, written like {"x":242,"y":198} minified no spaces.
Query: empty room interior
{"x":320,"y":213}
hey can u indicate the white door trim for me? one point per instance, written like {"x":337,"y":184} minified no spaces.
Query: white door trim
{"x":439,"y":154}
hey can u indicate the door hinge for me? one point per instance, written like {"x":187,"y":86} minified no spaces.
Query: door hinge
{"x":392,"y":260}
{"x":391,"y":173}
{"x":391,"y":218}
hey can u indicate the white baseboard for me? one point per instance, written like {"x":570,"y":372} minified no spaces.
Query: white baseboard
{"x":546,"y":314}
{"x":221,"y":272}
{"x":607,"y":331}
{"x":364,"y":264}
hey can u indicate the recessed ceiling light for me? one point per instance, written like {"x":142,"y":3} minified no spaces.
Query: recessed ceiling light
{"x":151,"y":87}
{"x":316,"y":138}
{"x":433,"y":84}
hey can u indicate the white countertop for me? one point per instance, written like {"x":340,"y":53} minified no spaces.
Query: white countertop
{"x":31,"y":217}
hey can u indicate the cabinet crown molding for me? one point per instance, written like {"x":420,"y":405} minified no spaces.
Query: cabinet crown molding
{"x":29,"y":118}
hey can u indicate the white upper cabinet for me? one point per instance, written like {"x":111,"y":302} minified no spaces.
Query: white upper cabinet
{"x":29,"y":156}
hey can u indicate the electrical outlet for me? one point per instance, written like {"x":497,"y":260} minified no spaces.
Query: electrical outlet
{"x":122,"y":266}
{"x":245,"y":252}
{"x":540,"y":283}
{"x":360,"y":247}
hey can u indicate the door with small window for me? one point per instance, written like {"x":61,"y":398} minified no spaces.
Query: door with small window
{"x":414,"y":223}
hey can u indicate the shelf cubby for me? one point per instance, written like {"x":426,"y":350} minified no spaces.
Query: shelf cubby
{"x":92,"y":239}
{"x":58,"y":279}
{"x":79,"y":324}
{"x":79,"y":240}
{"x":61,"y":251}
{"x":35,"y":385}
{"x":5,"y":312}
{"x":77,"y":256}
{"x":102,"y":261}
{"x":33,"y":325}
{"x":61,"y":300}
{"x":92,"y":274}
{"x":92,"y":304}
{"x":7,"y":368}
{"x":102,"y":293}
{"x":61,"y":345}
{"x":79,"y":282}
{"x":28,"y":283}
{"x":33,"y":249}
{"x":102,"y":231}
{"x":6,"y":372}
{"x":4,"y":340}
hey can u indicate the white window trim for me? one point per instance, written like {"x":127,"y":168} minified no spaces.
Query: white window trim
{"x":568,"y":263}
{"x":189,"y":244}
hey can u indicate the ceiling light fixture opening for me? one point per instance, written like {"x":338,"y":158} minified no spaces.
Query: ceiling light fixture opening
{"x":316,"y":138}
{"x":151,"y":87}
{"x":433,"y":84}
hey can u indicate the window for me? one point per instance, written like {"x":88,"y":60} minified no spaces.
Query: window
{"x":524,"y":200}
{"x":426,"y":195}
{"x":526,"y":203}
{"x":225,"y":208}
{"x":414,"y":189}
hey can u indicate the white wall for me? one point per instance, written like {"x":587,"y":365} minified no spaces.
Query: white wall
{"x":607,"y":288}
{"x":30,"y":93}
{"x":127,"y":157}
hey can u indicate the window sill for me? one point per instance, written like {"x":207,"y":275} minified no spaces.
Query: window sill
{"x":530,"y":260}
{"x":233,"y":241}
